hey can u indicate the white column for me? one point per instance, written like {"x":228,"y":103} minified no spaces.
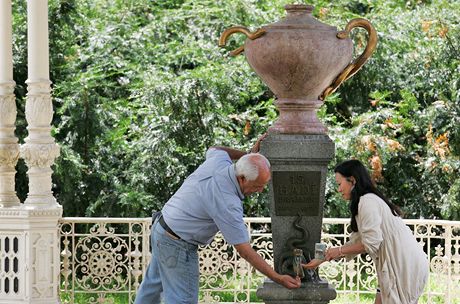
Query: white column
{"x":29,"y":243}
{"x":40,"y":149}
{"x":6,"y":44}
{"x":9,"y":147}
{"x":37,"y":40}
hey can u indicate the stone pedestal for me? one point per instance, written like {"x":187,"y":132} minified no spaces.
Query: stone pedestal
{"x":29,"y":252}
{"x":312,"y":293}
{"x":297,"y":189}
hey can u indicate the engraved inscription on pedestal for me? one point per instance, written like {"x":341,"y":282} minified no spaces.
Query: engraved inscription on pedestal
{"x":296,"y":193}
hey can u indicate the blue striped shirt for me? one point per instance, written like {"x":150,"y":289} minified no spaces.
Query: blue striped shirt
{"x":209,"y":200}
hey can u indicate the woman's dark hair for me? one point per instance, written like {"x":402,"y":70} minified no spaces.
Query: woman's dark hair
{"x":363,"y":185}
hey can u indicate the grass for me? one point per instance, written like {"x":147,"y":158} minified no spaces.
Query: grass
{"x":85,"y":298}
{"x":436,"y":286}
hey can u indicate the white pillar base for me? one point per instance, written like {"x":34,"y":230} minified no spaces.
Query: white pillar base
{"x":29,"y":255}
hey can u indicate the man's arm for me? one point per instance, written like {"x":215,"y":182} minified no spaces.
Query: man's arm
{"x":250,"y":255}
{"x":237,"y":154}
{"x":233,"y":153}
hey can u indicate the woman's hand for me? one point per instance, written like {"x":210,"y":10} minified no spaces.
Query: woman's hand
{"x":313,"y":264}
{"x":333,"y":253}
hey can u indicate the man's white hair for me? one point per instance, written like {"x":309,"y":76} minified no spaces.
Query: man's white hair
{"x":250,"y":164}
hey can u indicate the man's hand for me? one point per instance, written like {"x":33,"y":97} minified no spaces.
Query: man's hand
{"x":256,"y":147}
{"x":250,"y":255}
{"x":313,"y":264}
{"x":288,"y":281}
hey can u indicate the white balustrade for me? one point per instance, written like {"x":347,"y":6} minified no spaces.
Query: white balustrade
{"x":103,"y":260}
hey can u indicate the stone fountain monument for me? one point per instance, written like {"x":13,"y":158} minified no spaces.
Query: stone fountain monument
{"x":302,"y":61}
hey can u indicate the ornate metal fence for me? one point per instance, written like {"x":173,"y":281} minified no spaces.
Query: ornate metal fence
{"x":103,"y":259}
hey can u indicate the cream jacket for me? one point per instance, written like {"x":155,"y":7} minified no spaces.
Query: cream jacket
{"x":402,"y":266}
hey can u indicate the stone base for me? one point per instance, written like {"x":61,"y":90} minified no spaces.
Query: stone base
{"x":30,"y":245}
{"x":308,"y":293}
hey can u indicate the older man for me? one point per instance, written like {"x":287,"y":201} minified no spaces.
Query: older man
{"x":208,"y":201}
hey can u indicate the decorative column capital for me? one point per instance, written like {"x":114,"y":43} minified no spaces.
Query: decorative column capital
{"x":40,"y":155}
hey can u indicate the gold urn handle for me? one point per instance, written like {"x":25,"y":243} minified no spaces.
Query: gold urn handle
{"x":356,"y":65}
{"x":239,"y":29}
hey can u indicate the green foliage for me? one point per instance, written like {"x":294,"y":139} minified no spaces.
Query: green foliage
{"x":399,"y":114}
{"x":141,"y":89}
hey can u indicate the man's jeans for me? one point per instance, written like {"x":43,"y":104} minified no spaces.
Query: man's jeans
{"x":173,"y":270}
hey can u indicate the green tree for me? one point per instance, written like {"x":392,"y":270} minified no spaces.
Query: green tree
{"x":141,"y":89}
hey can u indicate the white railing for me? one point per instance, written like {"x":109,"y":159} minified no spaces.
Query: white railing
{"x":103,"y":259}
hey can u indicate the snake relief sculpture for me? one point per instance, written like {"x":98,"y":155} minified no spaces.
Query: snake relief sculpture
{"x":289,"y":259}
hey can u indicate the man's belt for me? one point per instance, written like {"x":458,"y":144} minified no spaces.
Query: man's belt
{"x":166,"y":227}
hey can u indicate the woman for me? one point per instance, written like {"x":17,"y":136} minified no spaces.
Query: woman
{"x":402,"y":266}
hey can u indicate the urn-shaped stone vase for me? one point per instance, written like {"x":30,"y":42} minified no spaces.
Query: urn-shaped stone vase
{"x":302,"y":60}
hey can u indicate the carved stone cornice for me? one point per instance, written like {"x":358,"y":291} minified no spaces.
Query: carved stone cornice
{"x":26,"y":213}
{"x":39,"y":155}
